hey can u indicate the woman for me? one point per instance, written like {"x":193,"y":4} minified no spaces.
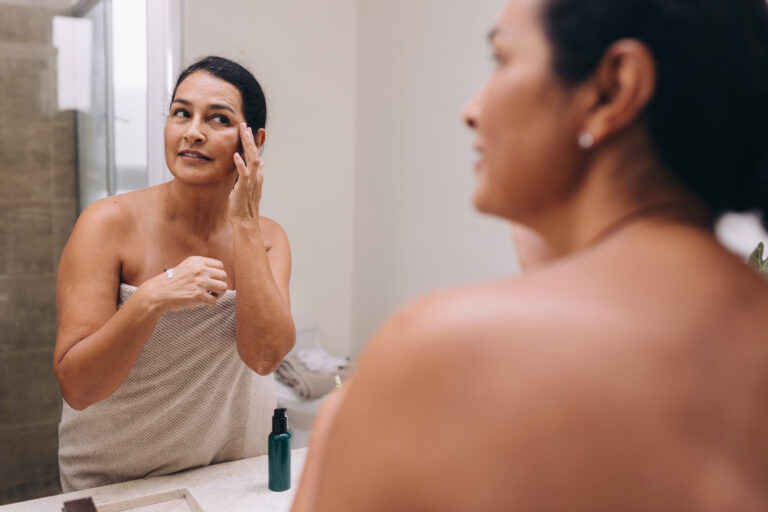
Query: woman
{"x":154,"y":356}
{"x":630,"y":371}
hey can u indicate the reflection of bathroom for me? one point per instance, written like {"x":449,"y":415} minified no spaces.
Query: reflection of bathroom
{"x":87,"y":120}
{"x":367,"y":162}
{"x":38,"y":206}
{"x":68,"y":136}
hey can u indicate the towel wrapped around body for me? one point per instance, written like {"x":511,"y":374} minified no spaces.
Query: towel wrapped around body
{"x":189,"y":401}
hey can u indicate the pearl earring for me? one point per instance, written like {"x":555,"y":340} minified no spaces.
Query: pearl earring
{"x":586,"y":140}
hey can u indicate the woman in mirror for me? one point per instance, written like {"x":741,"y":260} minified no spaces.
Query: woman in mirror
{"x":629,"y":370}
{"x":161,"y":369}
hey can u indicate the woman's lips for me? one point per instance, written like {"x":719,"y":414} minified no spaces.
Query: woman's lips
{"x":192,"y":156}
{"x":480,"y":162}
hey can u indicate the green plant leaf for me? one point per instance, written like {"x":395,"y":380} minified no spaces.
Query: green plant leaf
{"x":756,"y":259}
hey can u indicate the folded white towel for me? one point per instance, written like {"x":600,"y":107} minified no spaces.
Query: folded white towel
{"x":308,"y":384}
{"x":318,"y":360}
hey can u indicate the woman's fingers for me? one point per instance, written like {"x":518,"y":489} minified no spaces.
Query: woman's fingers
{"x":249,"y":146}
{"x":211,"y":262}
{"x":260,"y":173}
{"x":216,"y":287}
{"x":242,"y":169}
{"x":219,"y":275}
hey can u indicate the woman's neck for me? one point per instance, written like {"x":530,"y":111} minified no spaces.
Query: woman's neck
{"x":615,"y":194}
{"x":198,"y":209}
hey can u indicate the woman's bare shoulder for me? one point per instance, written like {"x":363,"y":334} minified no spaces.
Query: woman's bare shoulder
{"x":430,"y":382}
{"x":105,"y":228}
{"x":122,"y":210}
{"x":271,"y":228}
{"x":531,"y":383}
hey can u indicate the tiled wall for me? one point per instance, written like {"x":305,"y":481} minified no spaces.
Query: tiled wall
{"x":37,"y":211}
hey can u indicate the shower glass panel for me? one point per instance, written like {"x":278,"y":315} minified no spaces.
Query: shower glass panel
{"x":129,"y":71}
{"x":93,"y":146}
{"x":112,"y":130}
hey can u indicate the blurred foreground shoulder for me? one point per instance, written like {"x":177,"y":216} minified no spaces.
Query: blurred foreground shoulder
{"x":407,"y":435}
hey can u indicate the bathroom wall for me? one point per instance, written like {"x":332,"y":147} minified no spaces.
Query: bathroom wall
{"x":415,"y":226}
{"x":368,"y":166}
{"x":304,"y":53}
{"x":37,"y":211}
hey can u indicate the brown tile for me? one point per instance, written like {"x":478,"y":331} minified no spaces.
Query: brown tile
{"x":30,"y":391}
{"x":32,"y":183}
{"x":64,"y":217}
{"x":30,"y":466}
{"x":28,"y":89}
{"x":64,"y":146}
{"x":26,"y":144}
{"x":65,"y":182}
{"x":7,"y":310}
{"x":21,"y":333}
{"x":40,"y":488}
{"x":28,"y":313}
{"x":25,"y":24}
{"x":5,"y":242}
{"x":65,"y":119}
{"x":29,"y":242}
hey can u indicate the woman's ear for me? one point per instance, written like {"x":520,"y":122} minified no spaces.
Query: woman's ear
{"x":261,"y":137}
{"x":624,"y":83}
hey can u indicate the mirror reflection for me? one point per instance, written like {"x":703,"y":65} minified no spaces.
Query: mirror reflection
{"x":86,"y":96}
{"x":366,"y":165}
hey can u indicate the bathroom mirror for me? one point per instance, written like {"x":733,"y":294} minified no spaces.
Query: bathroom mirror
{"x":77,"y":89}
{"x":369,"y":168}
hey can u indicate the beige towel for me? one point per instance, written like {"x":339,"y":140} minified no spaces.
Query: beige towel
{"x":307,"y":384}
{"x":189,"y":401}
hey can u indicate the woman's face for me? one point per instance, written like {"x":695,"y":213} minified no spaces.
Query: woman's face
{"x":526,"y":130}
{"x":201,"y":134}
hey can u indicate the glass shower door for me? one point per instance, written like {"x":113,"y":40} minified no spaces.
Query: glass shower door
{"x":94,"y":146}
{"x":117,"y":60}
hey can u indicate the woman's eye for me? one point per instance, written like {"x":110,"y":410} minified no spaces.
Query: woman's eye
{"x":221,"y":119}
{"x":180,"y":112}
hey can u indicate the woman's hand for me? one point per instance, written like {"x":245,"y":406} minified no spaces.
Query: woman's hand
{"x":246,"y":196}
{"x":197,"y":280}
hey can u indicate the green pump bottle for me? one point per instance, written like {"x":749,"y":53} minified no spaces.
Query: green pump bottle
{"x":279,"y":453}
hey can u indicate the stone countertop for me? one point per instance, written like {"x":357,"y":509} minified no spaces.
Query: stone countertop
{"x":235,"y":486}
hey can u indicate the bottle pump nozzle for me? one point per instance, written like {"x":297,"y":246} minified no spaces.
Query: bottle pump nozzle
{"x":279,"y":422}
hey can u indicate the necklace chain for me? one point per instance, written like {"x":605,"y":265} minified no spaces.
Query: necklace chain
{"x":655,"y":210}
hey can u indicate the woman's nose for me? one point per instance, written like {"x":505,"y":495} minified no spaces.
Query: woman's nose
{"x":470,"y":114}
{"x":472,"y":109}
{"x":195,"y":132}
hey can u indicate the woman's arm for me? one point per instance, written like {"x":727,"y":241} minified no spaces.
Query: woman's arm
{"x":263,"y":321}
{"x":97,"y":345}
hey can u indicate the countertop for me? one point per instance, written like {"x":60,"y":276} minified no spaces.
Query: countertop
{"x":228,"y":487}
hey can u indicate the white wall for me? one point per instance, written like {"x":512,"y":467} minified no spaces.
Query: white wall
{"x":304,"y":54}
{"x":415,"y":227}
{"x":369,"y":167}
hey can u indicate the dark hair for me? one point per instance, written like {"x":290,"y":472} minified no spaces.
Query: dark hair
{"x":254,"y":102}
{"x":708,"y":119}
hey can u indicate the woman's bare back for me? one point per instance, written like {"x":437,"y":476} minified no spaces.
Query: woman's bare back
{"x":636,"y":369}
